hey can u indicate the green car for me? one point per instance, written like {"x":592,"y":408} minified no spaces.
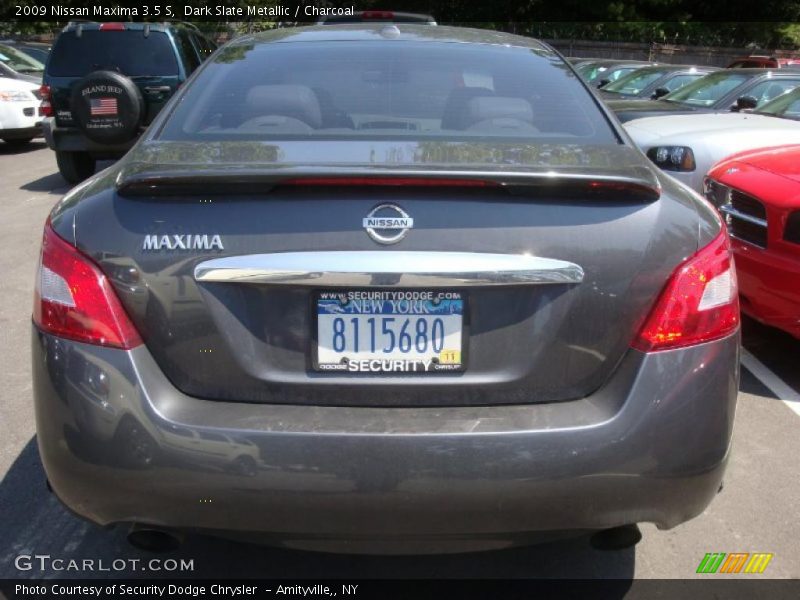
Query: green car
{"x":105,"y":82}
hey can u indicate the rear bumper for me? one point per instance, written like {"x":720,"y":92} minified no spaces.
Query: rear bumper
{"x":71,"y":139}
{"x":21,"y":133}
{"x":769,"y":284}
{"x":19,"y":120}
{"x":120,"y":444}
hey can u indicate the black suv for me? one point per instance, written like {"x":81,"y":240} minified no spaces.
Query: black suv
{"x":105,"y":82}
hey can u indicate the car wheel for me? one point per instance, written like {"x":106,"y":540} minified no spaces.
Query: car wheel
{"x":75,"y":166}
{"x":18,"y":142}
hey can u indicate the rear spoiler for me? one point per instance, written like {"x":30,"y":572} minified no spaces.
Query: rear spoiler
{"x":640,"y":186}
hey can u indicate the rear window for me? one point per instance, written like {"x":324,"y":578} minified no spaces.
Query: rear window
{"x":129,"y":52}
{"x":386,"y":89}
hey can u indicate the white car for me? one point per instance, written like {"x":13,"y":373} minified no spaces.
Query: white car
{"x":19,"y":111}
{"x":687,"y":146}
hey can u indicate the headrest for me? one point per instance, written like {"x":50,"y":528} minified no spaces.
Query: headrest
{"x":488,"y":108}
{"x":454,"y":115}
{"x":296,"y":101}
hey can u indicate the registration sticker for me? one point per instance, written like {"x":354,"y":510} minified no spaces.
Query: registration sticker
{"x":450,"y":357}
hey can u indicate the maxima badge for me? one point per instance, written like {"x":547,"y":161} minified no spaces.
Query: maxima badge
{"x":387,"y":223}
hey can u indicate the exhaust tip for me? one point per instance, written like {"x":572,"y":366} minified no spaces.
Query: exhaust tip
{"x":616,"y":538}
{"x":154,"y":540}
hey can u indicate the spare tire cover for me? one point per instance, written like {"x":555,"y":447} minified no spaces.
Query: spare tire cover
{"x":108,"y":107}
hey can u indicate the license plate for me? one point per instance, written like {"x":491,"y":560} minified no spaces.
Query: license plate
{"x":389,"y":331}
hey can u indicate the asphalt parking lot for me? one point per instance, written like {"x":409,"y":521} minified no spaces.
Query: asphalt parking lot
{"x":756,"y":511}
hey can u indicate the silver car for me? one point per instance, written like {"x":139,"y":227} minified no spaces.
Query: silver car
{"x":374,"y":286}
{"x":687,"y":146}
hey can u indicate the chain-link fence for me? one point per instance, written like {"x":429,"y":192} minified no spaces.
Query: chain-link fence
{"x":665,"y":53}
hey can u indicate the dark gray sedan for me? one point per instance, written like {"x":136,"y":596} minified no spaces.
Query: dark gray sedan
{"x":374,"y":286}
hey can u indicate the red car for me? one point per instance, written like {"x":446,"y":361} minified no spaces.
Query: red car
{"x":758,"y":192}
{"x":764,"y":62}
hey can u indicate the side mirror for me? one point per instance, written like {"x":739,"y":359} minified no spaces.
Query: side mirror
{"x":659,"y":92}
{"x":745,"y":103}
{"x":603,"y":82}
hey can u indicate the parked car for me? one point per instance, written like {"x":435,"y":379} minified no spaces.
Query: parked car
{"x":758,"y":192}
{"x":427,"y":277}
{"x":106,"y":82}
{"x":653,"y":82}
{"x":19,"y":121}
{"x":760,"y":61}
{"x":726,"y":90}
{"x":36,"y":50}
{"x":24,"y":66}
{"x":689,"y":145}
{"x":605,"y":71}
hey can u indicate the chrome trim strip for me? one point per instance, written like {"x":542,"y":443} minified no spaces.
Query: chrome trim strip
{"x":388,"y":269}
{"x":728,"y":209}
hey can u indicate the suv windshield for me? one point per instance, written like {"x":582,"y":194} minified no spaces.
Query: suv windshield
{"x":19,"y":61}
{"x":707,"y":90}
{"x":379,"y":90}
{"x":129,"y":52}
{"x":786,"y":106}
{"x":635,"y":82}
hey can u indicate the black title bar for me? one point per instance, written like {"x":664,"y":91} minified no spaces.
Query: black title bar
{"x":369,"y":589}
{"x":445,"y":11}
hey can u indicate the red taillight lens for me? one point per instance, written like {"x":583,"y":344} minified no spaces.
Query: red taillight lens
{"x":369,"y":15}
{"x":387,"y":182}
{"x":45,"y":108}
{"x":73,"y":299}
{"x":112,"y":27}
{"x":700,"y":302}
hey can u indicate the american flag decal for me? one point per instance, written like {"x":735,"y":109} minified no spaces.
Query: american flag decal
{"x":103,"y":106}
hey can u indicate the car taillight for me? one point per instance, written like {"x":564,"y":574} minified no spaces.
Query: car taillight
{"x":700,"y":302}
{"x":73,"y":299}
{"x":369,"y":15}
{"x":387,"y":182}
{"x":112,"y":27}
{"x":45,"y":108}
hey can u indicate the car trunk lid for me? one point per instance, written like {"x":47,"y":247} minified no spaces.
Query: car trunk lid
{"x":221,"y":268}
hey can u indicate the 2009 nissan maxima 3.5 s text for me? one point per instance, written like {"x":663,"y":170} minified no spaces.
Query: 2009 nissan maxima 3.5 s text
{"x":366,"y":286}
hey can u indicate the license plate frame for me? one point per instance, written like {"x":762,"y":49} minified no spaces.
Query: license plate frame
{"x":453,"y":368}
